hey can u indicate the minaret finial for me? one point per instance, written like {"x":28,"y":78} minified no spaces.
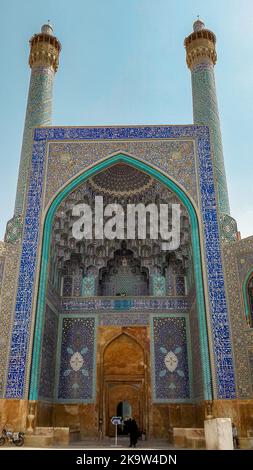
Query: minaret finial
{"x":44,"y":60}
{"x":198,"y":24}
{"x":200,"y":45}
{"x":201,"y":58}
{"x":47,"y":28}
{"x":45,"y":52}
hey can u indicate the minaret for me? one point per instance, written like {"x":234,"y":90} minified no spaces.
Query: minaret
{"x":201,"y":58}
{"x":43,"y":60}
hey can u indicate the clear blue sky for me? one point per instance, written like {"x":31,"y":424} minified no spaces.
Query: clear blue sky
{"x":123,"y":62}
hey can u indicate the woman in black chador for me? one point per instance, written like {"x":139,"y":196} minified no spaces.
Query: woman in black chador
{"x":134,"y":432}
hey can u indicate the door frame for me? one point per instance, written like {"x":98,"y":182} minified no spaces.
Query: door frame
{"x":103,"y":380}
{"x":134,"y":382}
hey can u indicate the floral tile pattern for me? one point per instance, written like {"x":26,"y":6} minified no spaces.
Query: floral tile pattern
{"x":171,"y":364}
{"x":76,"y":359}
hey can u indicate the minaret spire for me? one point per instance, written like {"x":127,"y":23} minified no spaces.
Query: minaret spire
{"x":201,"y":57}
{"x":43,"y":60}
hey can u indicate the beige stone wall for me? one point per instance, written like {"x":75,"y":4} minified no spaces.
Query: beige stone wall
{"x":13,"y":414}
{"x":162,"y":417}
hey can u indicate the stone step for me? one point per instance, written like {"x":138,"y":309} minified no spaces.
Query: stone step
{"x":39,"y":441}
{"x":246,"y":442}
{"x":187,"y":437}
{"x":58,"y":435}
{"x":43,"y":431}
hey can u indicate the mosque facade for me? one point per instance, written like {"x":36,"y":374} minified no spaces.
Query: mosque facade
{"x":100,"y":326}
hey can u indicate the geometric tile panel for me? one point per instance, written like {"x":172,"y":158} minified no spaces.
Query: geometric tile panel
{"x":16,"y":381}
{"x":48,"y":354}
{"x":67,"y":287}
{"x":159,"y":286}
{"x":77,"y":359}
{"x":180,"y":286}
{"x":10,"y":260}
{"x":238,"y":261}
{"x":175,"y":157}
{"x":88,"y":287}
{"x":171,"y":367}
{"x":197,"y":382}
{"x":38,"y":113}
{"x":203,"y":92}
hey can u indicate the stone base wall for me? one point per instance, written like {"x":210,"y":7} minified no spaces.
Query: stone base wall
{"x":85,"y":415}
{"x":13,"y":414}
{"x":166,"y":416}
{"x":162,"y":418}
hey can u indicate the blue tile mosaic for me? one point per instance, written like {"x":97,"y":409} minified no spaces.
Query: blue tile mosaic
{"x":180,"y":285}
{"x":219,"y":319}
{"x":77,"y":359}
{"x":170,"y":356}
{"x":48,"y":356}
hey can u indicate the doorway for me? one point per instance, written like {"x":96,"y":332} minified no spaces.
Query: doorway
{"x":124,"y":382}
{"x":124,"y":411}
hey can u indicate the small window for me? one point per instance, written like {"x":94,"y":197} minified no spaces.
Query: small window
{"x":180,"y":285}
{"x":67,"y":286}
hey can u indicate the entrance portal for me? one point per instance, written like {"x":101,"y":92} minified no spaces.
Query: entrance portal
{"x":88,"y":277}
{"x":124,"y":381}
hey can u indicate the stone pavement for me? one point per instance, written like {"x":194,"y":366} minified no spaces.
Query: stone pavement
{"x":107,"y":443}
{"x":123,"y":443}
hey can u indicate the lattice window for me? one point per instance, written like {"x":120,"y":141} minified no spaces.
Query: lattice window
{"x":180,"y":285}
{"x":67,"y":286}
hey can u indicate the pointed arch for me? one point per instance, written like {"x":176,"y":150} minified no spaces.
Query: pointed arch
{"x":123,"y":355}
{"x":48,"y":220}
{"x":114,"y":338}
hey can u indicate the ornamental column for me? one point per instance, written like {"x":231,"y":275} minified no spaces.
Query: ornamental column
{"x":201,"y":58}
{"x":43,"y":60}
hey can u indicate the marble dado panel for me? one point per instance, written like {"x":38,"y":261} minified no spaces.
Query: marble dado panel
{"x":176,"y":158}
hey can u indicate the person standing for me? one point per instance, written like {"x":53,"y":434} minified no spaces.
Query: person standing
{"x":133,"y":431}
{"x":235,"y":436}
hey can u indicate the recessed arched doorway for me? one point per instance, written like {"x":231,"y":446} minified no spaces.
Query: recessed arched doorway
{"x":124,"y":381}
{"x":120,"y":383}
